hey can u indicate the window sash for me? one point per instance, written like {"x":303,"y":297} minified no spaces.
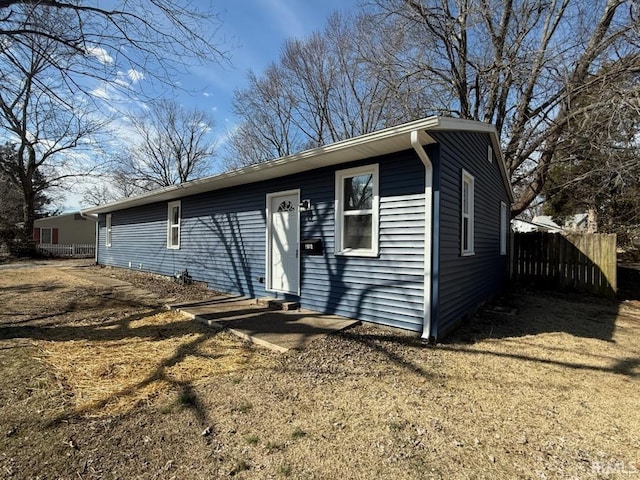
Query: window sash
{"x":108,"y":230}
{"x":174,"y":215}
{"x":44,"y":233}
{"x":467,"y":215}
{"x":357,"y":209}
{"x":361,"y":197}
{"x":465,"y":197}
{"x":503,"y":228}
{"x":358,"y":232}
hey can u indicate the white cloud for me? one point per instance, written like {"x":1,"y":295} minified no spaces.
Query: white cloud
{"x":121,"y":83}
{"x":113,"y":91}
{"x":206,"y":94}
{"x":135,"y":76}
{"x":101,"y":92}
{"x":101,"y":55}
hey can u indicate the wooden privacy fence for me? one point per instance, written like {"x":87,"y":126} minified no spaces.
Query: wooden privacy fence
{"x":583,"y":262}
{"x":77,"y":250}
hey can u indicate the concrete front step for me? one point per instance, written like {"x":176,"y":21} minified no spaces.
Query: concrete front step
{"x":278,"y":304}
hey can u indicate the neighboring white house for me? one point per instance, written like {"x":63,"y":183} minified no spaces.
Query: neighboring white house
{"x":70,"y":234}
{"x":68,"y":228}
{"x":577,"y":223}
{"x":544,"y":223}
{"x":539,"y":223}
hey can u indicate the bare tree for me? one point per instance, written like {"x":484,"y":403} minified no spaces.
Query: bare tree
{"x":132,"y":38}
{"x":520,"y":64}
{"x":170,"y":144}
{"x":167,"y":144}
{"x":49,"y":131}
{"x":58,"y":62}
{"x":110,"y":186}
{"x":361,"y":101}
{"x":266,"y":131}
{"x":321,"y":90}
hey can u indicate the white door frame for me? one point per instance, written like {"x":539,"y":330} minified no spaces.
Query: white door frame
{"x":269,"y":232}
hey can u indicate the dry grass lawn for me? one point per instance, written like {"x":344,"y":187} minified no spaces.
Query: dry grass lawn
{"x":95,"y":385}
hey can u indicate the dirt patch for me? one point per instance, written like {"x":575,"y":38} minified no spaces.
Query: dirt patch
{"x":97,"y":386}
{"x":163,"y":286}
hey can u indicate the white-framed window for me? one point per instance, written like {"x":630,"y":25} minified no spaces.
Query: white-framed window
{"x":107,"y":236}
{"x":504,"y":222}
{"x":467,"y":226}
{"x":357,"y":211}
{"x":173,"y":224}
{"x":46,"y":235}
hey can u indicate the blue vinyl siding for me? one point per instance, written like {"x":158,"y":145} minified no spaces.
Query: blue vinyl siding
{"x":223,"y":238}
{"x":387,"y":289}
{"x":466,"y":282}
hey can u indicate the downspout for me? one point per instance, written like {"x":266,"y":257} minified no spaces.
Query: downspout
{"x":93,"y":218}
{"x":430,"y":240}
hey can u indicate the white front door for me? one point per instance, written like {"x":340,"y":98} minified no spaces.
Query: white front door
{"x":282,"y":242}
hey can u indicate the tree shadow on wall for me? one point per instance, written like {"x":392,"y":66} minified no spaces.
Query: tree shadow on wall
{"x":225,"y":255}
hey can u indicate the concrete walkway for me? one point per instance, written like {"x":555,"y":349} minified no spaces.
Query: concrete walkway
{"x":274,"y":329}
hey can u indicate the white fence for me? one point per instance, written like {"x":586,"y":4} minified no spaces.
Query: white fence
{"x":78,"y":250}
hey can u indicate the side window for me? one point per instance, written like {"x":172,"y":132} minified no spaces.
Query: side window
{"x":467,"y":214}
{"x":504,"y":228}
{"x":46,"y":238}
{"x":173,"y":225}
{"x":357,"y":211}
{"x":107,"y":237}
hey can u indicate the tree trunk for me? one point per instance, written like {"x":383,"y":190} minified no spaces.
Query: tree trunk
{"x":25,"y":245}
{"x":592,"y":220}
{"x":28,"y":209}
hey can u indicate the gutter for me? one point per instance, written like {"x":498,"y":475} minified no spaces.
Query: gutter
{"x":381,"y":142}
{"x":88,"y":216}
{"x":429,"y":329}
{"x":94,"y":218}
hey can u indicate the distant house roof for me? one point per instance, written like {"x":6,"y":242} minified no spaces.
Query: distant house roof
{"x":381,"y":142}
{"x":577,"y":221}
{"x":546,"y":222}
{"x":539,"y":223}
{"x":76,"y":215}
{"x":522,"y":226}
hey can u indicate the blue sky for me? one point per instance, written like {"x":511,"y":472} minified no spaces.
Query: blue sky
{"x":255,"y":31}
